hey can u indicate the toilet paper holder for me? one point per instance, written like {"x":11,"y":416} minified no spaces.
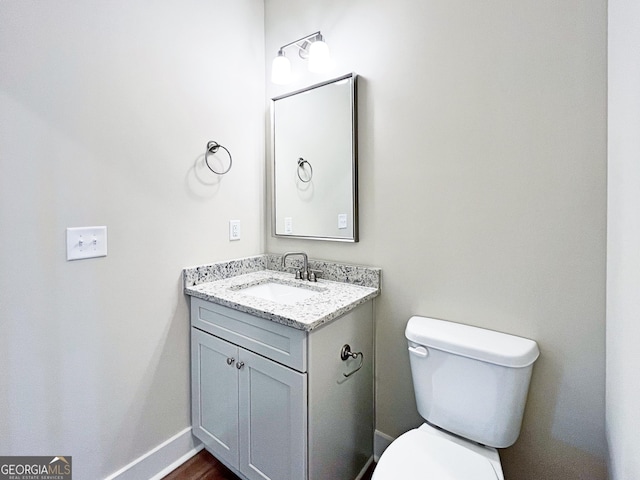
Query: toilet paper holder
{"x":346,"y":354}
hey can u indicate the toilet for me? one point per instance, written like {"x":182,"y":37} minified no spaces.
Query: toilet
{"x":471,"y":387}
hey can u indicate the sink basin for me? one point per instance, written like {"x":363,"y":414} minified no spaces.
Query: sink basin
{"x":279,"y":292}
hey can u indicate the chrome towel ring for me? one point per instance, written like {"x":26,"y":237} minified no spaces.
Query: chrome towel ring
{"x":212,"y":148}
{"x":301,"y":163}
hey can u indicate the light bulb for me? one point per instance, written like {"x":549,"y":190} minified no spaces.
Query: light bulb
{"x":281,"y":69}
{"x":319,"y":57}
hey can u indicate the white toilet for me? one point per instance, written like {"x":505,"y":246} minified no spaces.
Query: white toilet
{"x":471,"y":387}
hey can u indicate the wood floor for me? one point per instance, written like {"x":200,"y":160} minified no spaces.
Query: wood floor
{"x":204,"y":466}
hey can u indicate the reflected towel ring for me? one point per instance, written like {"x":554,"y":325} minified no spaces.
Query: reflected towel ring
{"x":301,"y":162}
{"x":213,"y":147}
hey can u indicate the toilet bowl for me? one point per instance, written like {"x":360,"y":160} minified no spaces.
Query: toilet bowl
{"x":471,"y":386}
{"x":429,"y":453}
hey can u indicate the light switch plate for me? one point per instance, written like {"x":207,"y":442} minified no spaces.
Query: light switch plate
{"x":86,"y":242}
{"x":288,"y":225}
{"x":342,"y":220}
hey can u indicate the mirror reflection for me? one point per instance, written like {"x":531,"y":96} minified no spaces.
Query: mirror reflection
{"x":314,"y":162}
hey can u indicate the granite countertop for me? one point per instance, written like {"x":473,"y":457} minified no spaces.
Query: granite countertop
{"x":332,"y":300}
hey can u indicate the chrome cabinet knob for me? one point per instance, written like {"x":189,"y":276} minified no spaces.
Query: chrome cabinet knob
{"x":239,"y":365}
{"x":230,"y":361}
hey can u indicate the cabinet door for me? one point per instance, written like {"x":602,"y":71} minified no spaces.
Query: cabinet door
{"x":273,"y":420}
{"x":214,"y":396}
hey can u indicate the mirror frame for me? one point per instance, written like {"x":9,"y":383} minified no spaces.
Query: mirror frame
{"x":352,"y":77}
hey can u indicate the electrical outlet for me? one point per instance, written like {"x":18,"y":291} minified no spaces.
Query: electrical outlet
{"x":342,"y":220}
{"x":288,"y":225}
{"x":234,"y":229}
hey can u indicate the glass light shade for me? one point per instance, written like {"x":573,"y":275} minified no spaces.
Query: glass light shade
{"x":319,"y":58}
{"x":281,"y":70}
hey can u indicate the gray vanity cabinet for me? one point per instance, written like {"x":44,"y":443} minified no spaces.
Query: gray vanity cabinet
{"x":234,"y":410}
{"x":273,"y":402}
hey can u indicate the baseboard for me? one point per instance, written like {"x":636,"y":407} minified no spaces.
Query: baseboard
{"x":364,"y":469}
{"x":161,"y":460}
{"x":380,"y":443}
{"x":169,"y":455}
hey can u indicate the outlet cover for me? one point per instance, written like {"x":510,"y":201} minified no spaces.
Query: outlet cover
{"x":234,"y":229}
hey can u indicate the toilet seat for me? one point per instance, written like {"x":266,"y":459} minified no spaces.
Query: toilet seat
{"x":421,"y":456}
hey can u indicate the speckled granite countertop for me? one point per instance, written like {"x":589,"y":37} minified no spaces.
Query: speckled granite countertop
{"x":223,"y":283}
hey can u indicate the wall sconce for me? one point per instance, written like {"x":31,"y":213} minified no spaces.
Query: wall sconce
{"x":310,"y":47}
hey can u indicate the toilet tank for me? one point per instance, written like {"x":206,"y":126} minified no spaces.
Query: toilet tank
{"x":470,"y":381}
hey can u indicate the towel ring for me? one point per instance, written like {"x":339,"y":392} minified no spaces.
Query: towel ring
{"x":301,"y":162}
{"x":212,"y":148}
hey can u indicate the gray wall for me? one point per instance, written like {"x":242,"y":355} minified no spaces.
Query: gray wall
{"x":105,"y":111}
{"x":623,"y":255}
{"x":482,"y":193}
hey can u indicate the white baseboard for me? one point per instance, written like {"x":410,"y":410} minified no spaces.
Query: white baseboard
{"x":380,"y":443}
{"x":364,"y":469}
{"x":169,"y":455}
{"x":161,"y":460}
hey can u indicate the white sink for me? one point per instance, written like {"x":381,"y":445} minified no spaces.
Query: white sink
{"x":279,"y":292}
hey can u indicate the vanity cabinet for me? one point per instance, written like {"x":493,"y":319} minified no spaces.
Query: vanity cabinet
{"x":274,"y":402}
{"x":235,"y":412}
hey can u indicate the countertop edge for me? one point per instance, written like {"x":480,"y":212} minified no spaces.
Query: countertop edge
{"x":307,"y":327}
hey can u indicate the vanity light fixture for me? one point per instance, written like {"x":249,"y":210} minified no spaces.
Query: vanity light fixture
{"x":311,"y":47}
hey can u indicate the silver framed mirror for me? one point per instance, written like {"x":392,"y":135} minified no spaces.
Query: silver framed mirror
{"x":315,"y":167}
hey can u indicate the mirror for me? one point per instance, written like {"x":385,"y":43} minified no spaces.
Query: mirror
{"x":314,"y":162}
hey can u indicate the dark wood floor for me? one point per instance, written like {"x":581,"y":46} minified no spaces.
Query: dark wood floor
{"x":204,"y":466}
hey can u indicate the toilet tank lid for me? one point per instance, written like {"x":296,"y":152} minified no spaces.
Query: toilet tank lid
{"x":473,"y":342}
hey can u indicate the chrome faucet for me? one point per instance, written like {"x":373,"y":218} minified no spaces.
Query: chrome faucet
{"x":300,"y":274}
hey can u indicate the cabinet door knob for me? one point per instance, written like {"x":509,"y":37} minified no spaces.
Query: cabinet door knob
{"x":230,"y":361}
{"x":239,"y":365}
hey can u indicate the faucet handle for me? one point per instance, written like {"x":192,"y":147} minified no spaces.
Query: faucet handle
{"x":313,"y":275}
{"x":299,"y":274}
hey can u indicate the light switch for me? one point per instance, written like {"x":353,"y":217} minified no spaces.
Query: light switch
{"x":288,"y":225}
{"x":86,"y":242}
